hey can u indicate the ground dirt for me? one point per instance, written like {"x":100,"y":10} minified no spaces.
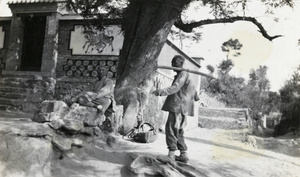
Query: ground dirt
{"x":212,"y":153}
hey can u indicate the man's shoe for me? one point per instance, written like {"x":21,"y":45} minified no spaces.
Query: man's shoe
{"x":172,"y":157}
{"x":182,"y":158}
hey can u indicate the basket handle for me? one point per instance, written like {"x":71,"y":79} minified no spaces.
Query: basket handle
{"x":150,"y":125}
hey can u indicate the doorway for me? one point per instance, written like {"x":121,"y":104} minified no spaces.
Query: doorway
{"x":33,"y":43}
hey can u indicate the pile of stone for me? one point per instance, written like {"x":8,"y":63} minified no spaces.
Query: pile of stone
{"x":73,"y":123}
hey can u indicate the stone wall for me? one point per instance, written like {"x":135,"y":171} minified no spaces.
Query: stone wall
{"x":65,"y":53}
{"x":224,"y":118}
{"x":25,"y":92}
{"x":76,"y":73}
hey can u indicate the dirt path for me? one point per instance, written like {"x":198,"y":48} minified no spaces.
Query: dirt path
{"x":212,"y":152}
{"x":222,"y":153}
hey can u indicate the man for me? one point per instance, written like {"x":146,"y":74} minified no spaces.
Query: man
{"x":101,"y":94}
{"x":179,"y":103}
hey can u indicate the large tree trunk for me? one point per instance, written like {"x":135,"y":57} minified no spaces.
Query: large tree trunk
{"x":147,"y":25}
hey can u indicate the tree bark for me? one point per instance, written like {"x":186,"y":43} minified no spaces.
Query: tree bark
{"x":146,"y":26}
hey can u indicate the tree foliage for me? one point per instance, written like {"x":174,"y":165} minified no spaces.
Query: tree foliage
{"x":146,"y":25}
{"x":257,"y":91}
{"x":96,"y":11}
{"x":226,"y":87}
{"x":233,"y":91}
{"x":232,"y":46}
{"x":210,"y":68}
{"x":290,"y":105}
{"x":225,"y":66}
{"x":223,"y":12}
{"x":258,"y":79}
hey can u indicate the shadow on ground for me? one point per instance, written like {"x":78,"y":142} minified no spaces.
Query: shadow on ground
{"x":227,"y":146}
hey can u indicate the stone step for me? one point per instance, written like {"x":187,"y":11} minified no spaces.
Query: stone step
{"x":17,"y":84}
{"x":19,"y":78}
{"x":11,"y":102}
{"x":22,"y":82}
{"x":12,"y":95}
{"x":10,"y":89}
{"x":18,"y":92}
{"x":4,"y":107}
{"x":222,"y":112}
{"x":7,"y":108}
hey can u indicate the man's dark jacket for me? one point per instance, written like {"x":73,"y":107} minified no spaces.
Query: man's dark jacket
{"x":181,"y":95}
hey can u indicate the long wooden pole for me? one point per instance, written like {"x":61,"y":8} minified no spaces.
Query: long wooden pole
{"x":187,"y":70}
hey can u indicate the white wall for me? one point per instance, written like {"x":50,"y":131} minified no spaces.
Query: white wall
{"x":164,"y":59}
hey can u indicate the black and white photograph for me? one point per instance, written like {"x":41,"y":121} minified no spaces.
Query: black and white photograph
{"x":149,"y":88}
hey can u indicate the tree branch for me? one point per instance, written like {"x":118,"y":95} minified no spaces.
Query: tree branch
{"x":189,"y":26}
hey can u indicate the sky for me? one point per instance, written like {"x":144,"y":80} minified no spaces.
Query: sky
{"x":281,"y":56}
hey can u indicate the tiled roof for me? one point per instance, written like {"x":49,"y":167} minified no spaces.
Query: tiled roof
{"x":32,"y":1}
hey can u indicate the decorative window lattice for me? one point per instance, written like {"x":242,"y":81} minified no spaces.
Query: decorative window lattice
{"x":88,"y":68}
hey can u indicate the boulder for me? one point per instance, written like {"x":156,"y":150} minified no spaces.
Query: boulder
{"x":88,"y":131}
{"x":76,"y":118}
{"x":72,"y":125}
{"x":88,"y":115}
{"x":63,"y":144}
{"x":24,"y":149}
{"x":56,"y":124}
{"x":51,"y":110}
{"x":161,"y":166}
{"x":41,"y":117}
{"x":77,"y":142}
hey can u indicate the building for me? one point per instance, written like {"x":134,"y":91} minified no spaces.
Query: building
{"x":47,"y":53}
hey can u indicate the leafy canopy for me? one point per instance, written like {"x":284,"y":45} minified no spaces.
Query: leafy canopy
{"x":223,"y":11}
